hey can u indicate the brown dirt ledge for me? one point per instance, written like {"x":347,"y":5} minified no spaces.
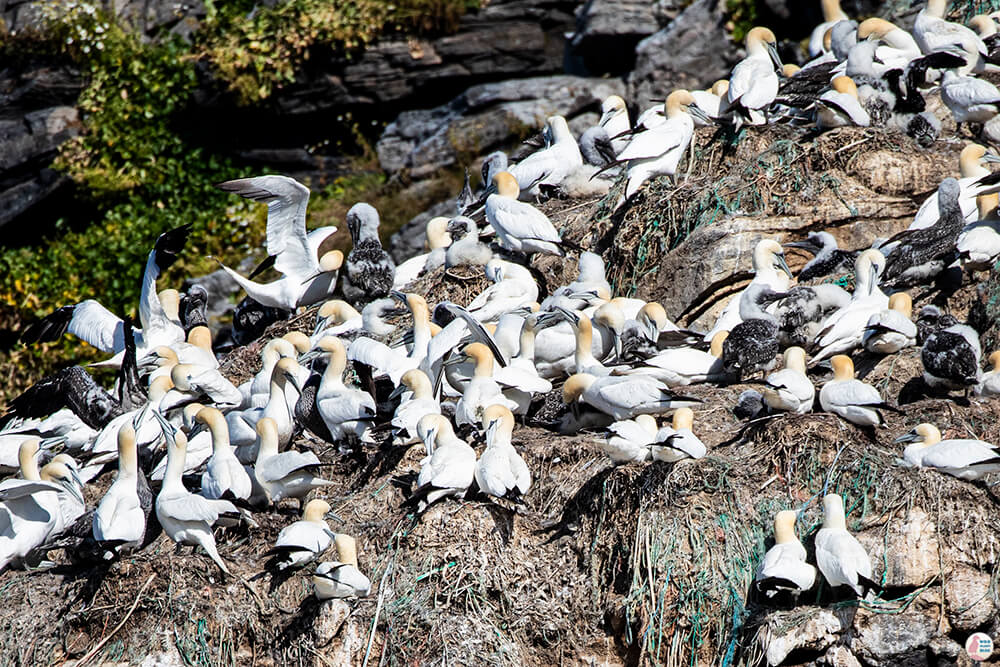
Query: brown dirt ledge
{"x":601,"y":565}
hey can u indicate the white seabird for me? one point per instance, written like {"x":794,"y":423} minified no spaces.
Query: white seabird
{"x":676,"y":442}
{"x":438,"y":241}
{"x":500,"y":471}
{"x":753,"y":83}
{"x":629,"y":440}
{"x":622,"y":397}
{"x":304,"y":541}
{"x":519,"y":226}
{"x":449,"y":467}
{"x":482,"y":390}
{"x":789,"y":390}
{"x":840,"y":107}
{"x":119,"y":519}
{"x":341,"y":578}
{"x":287,"y":474}
{"x":851,"y":399}
{"x":224,"y":475}
{"x":549,"y":166}
{"x":889,"y":331}
{"x":768,"y":258}
{"x":844,"y":329}
{"x":784,"y":567}
{"x":345,"y":410}
{"x":962,"y":458}
{"x":839,"y":555}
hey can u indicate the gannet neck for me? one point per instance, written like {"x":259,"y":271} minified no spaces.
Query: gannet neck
{"x":418,"y":382}
{"x":987,"y":205}
{"x":795,"y":359}
{"x":720,"y":87}
{"x":560,"y":130}
{"x":128,"y":463}
{"x":267,"y":438}
{"x":483,"y":359}
{"x":683,"y":419}
{"x":26,"y":458}
{"x":843,"y":367}
{"x":982,"y":24}
{"x":158,"y":389}
{"x":575,"y":386}
{"x":201,"y":336}
{"x":421,"y":324}
{"x":936,"y":8}
{"x":584,"y":341}
{"x":347,"y":549}
{"x":784,"y":527}
{"x":526,"y":341}
{"x":299,"y":342}
{"x":176,"y":453}
{"x":337,"y":361}
{"x":715,"y":349}
{"x":170,"y":301}
{"x":832,"y":11}
{"x":833,"y":512}
{"x":506,"y":185}
{"x":995,"y":360}
{"x":218,"y":427}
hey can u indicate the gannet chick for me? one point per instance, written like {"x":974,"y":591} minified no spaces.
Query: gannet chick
{"x":964,"y":458}
{"x":224,"y":476}
{"x":465,"y":249}
{"x":924,"y":253}
{"x":989,"y":385}
{"x":657,"y":151}
{"x":851,"y":399}
{"x":829,"y":258}
{"x":840,"y":107}
{"x":120,"y":517}
{"x":629,"y":440}
{"x":547,"y":167}
{"x":519,"y":226}
{"x":839,"y":555}
{"x":482,"y":390}
{"x":500,"y":471}
{"x":844,"y":329}
{"x":789,"y":390}
{"x":832,"y":15}
{"x":753,"y":84}
{"x":784,"y":567}
{"x":449,"y":467}
{"x":438,"y":240}
{"x":752,"y":345}
{"x":978,"y":245}
{"x":950,"y":357}
{"x":287,"y":474}
{"x":369,"y":270}
{"x":803,"y":311}
{"x":412,"y":410}
{"x":346,"y":411}
{"x":187,"y":518}
{"x":623,"y":397}
{"x":341,"y":578}
{"x":678,"y":442}
{"x":304,"y":541}
{"x":891,"y":330}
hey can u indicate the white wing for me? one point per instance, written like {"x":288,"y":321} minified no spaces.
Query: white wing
{"x":189,"y":507}
{"x":960,"y":454}
{"x":753,"y":83}
{"x":278,"y":467}
{"x":654,"y":143}
{"x":518,"y":378}
{"x":520,"y":220}
{"x":98,"y":326}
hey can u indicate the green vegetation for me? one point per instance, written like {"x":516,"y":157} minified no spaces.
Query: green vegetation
{"x":743,"y":16}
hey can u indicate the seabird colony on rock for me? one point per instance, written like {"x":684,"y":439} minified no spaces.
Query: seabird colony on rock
{"x":457,"y":381}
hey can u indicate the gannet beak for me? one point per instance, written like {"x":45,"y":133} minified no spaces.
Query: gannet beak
{"x":772,"y":50}
{"x":454,"y":359}
{"x":618,"y":344}
{"x":804,"y":245}
{"x":314,"y":276}
{"x":651,"y":332}
{"x":332,"y":515}
{"x":546,"y":319}
{"x":320,"y":325}
{"x":909,"y":436}
{"x":168,"y":429}
{"x":567,"y":315}
{"x":398,"y":296}
{"x":491,"y":430}
{"x":147,"y":362}
{"x":783,"y":265}
{"x":295,"y":381}
{"x":873,"y":278}
{"x":429,"y":439}
{"x":309,"y":356}
{"x":991,"y":157}
{"x":491,"y":189}
{"x":72,"y":488}
{"x":696,"y":111}
{"x":50,"y":443}
{"x":140,"y":417}
{"x":397,"y":392}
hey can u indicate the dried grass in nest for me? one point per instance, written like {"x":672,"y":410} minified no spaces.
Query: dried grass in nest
{"x":459,"y":284}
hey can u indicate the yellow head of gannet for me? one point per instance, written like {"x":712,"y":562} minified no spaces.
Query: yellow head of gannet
{"x":843,"y":367}
{"x":683,"y":418}
{"x":768,"y":255}
{"x":299,"y":340}
{"x":331,"y":261}
{"x":337,"y":312}
{"x":678,"y":102}
{"x":720,"y":87}
{"x":316,"y":511}
{"x":201,"y":336}
{"x":575,"y":386}
{"x":715,"y":348}
{"x":875,"y":28}
{"x":994,"y":360}
{"x":417,"y":381}
{"x":216,"y":422}
{"x":987,"y":205}
{"x":846,"y":85}
{"x":27,"y":459}
{"x":653,"y":319}
{"x":481,"y":356}
{"x":498,"y":418}
{"x":162,"y":357}
{"x":972,"y":159}
{"x":506,"y":185}
{"x":790,"y":69}
{"x":923,"y":435}
{"x":795,"y":359}
{"x":612,"y":106}
{"x":784,"y":527}
{"x":170,"y":301}
{"x":833,"y":512}
{"x":760,"y":41}
{"x":437,"y":233}
{"x":901,"y":303}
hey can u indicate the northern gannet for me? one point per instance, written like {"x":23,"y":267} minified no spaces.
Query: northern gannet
{"x":335,"y":317}
{"x":287,"y":474}
{"x":789,"y":390}
{"x":341,"y":578}
{"x":839,"y":555}
{"x":438,"y":241}
{"x":242,"y":433}
{"x":851,"y":399}
{"x":889,"y":331}
{"x":304,"y":541}
{"x":676,"y":442}
{"x":396,"y":361}
{"x":933,"y":33}
{"x":500,"y":471}
{"x":465,"y":249}
{"x":120,"y":517}
{"x":198,"y":383}
{"x":828,"y":257}
{"x":549,"y":166}
{"x":224,"y":475}
{"x":519,"y":226}
{"x":840,"y":107}
{"x":950,"y":356}
{"x":187,"y":518}
{"x":512,"y":288}
{"x":804,"y":309}
{"x":680,"y":366}
{"x":753,"y":84}
{"x":369,"y":270}
{"x":969,"y":99}
{"x":629,"y":440}
{"x":784,"y":567}
{"x":449,"y":467}
{"x":963,"y":458}
{"x":482,"y":390}
{"x":615,"y":121}
{"x":971,"y":167}
{"x":91,"y":322}
{"x":657,"y":151}
{"x":710,"y":102}
{"x":622,"y":397}
{"x":844,"y":329}
{"x":832,"y":15}
{"x":768,"y":258}
{"x":752,"y":345}
{"x":411,"y":410}
{"x":346,"y":411}
{"x":256,"y":390}
{"x":978,"y":245}
{"x":989,"y":384}
{"x":898,"y":46}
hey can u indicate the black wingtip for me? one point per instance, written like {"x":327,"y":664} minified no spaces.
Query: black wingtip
{"x":262,"y":267}
{"x":49,"y":328}
{"x":169,"y":246}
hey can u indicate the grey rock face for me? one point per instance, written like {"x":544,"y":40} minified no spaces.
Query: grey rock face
{"x":691,"y":52}
{"x":180,"y":17}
